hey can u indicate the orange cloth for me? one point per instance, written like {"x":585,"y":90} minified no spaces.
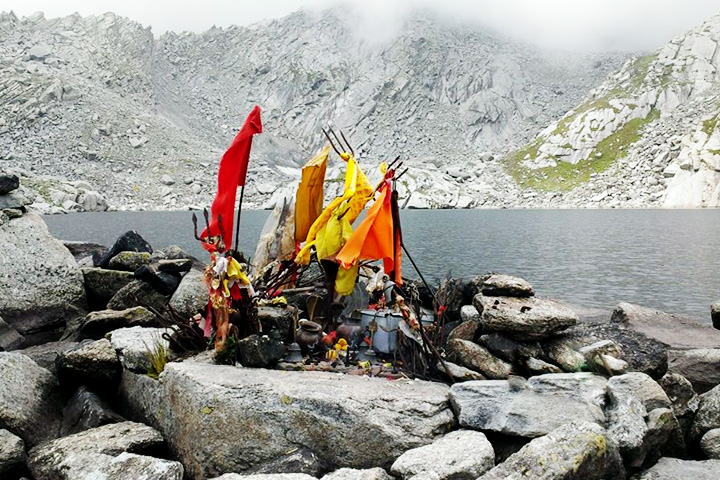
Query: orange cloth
{"x":373,"y":238}
{"x":309,"y":197}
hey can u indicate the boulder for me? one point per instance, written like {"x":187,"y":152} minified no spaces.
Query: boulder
{"x":241,"y":417}
{"x":191,"y":296}
{"x":164,"y":283}
{"x":710,"y":444}
{"x":575,"y":451}
{"x":97,"y":324}
{"x":172,"y":252}
{"x":137,"y":293}
{"x":584,"y":386}
{"x":354,"y":474}
{"x":14,"y":201}
{"x":464,"y":331}
{"x":182,"y":265}
{"x":523,"y":318}
{"x":508,"y":349}
{"x":92,"y":363}
{"x":640,"y":420}
{"x":101,"y":285}
{"x":10,"y":339}
{"x":46,"y":355}
{"x":562,"y":352}
{"x":468,"y":313}
{"x":708,"y":414}
{"x":521,"y":410}
{"x":700,"y":366}
{"x":279,"y":318}
{"x":298,"y":460}
{"x":129,"y":261}
{"x":8,"y":183}
{"x":265,"y":476}
{"x":12,"y":454}
{"x":676,"y":331}
{"x":497,"y":285}
{"x":130,"y":241}
{"x":682,"y":397}
{"x":81,"y":250}
{"x":86,"y":410}
{"x":29,"y":399}
{"x":42,"y":285}
{"x":475,"y":357}
{"x":536,"y":366}
{"x":642,"y":353}
{"x":715,"y":315}
{"x":67,"y":457}
{"x":259,"y":351}
{"x":126,"y":466}
{"x":458,"y":373}
{"x":459,"y":455}
{"x":676,"y":469}
{"x":135,"y":345}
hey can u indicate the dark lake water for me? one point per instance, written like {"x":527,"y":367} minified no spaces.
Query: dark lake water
{"x":665,"y":259}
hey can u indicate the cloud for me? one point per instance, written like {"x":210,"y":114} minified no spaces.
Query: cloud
{"x":589,"y":25}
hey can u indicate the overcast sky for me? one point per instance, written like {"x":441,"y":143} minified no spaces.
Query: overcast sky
{"x":631,"y":25}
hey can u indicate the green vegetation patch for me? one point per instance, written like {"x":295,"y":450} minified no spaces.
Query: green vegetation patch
{"x":640,"y":68}
{"x":566,"y":176}
{"x":710,"y":125}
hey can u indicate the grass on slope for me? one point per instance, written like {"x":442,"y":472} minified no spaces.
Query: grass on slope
{"x":566,"y":176}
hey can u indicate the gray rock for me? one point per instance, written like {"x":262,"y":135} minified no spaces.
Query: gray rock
{"x":12,"y":454}
{"x":86,"y":410}
{"x":682,"y":397}
{"x":39,"y":52}
{"x":459,"y":455}
{"x":642,"y":353}
{"x":14,"y":200}
{"x":586,"y":387}
{"x":8,"y":183}
{"x":228,"y":409}
{"x":130,"y":241}
{"x":299,"y":460}
{"x":92,"y":363}
{"x":710,"y":444}
{"x":126,"y":466}
{"x":539,"y":367}
{"x":137,"y":293}
{"x":29,"y":399}
{"x":354,"y":474}
{"x":715,"y":315}
{"x":265,"y":476}
{"x":167,"y":180}
{"x":497,"y":406}
{"x":101,"y":285}
{"x":459,"y":373}
{"x":475,"y":357}
{"x":561,"y":351}
{"x":191,"y":296}
{"x":708,"y":414}
{"x":700,"y":366}
{"x":676,"y":469}
{"x":61,"y":458}
{"x":46,"y":355}
{"x":523,"y":318}
{"x":129,"y":261}
{"x":134,"y":346}
{"x":510,"y":350}
{"x":172,"y":252}
{"x":260,"y":351}
{"x":464,"y":331}
{"x":468,"y":313}
{"x":97,"y":324}
{"x":42,"y":285}
{"x":576,"y":451}
{"x":674,"y":330}
{"x":179,"y":266}
{"x":279,"y":318}
{"x":10,"y":339}
{"x":498,"y":285}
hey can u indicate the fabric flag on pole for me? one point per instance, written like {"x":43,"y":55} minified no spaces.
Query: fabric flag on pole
{"x":373,"y":239}
{"x":309,"y":197}
{"x":232,"y":173}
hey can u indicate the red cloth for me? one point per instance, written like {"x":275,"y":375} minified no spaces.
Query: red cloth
{"x":232,"y":173}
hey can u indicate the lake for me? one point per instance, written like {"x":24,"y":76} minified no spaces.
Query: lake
{"x":665,"y":259}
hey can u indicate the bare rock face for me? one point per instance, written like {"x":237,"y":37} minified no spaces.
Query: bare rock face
{"x":42,"y":285}
{"x":576,"y":451}
{"x":523,"y":318}
{"x":459,"y":455}
{"x":68,"y":456}
{"x":242,"y":418}
{"x":29,"y":399}
{"x":674,"y":469}
{"x":529,"y":410}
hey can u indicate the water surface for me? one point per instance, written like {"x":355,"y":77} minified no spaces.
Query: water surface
{"x":665,"y":259}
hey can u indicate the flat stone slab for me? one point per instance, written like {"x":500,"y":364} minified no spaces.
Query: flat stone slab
{"x":675,"y":469}
{"x":226,"y":419}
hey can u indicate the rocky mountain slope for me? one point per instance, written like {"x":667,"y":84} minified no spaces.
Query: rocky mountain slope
{"x":647,"y":137}
{"x":145,"y":119}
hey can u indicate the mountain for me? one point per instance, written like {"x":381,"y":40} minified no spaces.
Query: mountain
{"x":647,"y":137}
{"x":145,"y":120}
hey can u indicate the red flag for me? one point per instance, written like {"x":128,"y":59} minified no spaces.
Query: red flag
{"x":232,"y":173}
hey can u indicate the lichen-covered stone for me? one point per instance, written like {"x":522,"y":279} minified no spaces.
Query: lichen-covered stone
{"x":478,"y":358}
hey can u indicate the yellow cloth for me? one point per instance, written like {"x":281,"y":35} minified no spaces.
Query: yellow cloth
{"x":357,"y":193}
{"x":309,"y":197}
{"x":236,"y":274}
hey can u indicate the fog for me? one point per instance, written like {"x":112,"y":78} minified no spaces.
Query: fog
{"x":587,"y":25}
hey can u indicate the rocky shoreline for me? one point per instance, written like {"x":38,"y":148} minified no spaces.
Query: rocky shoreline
{"x":532,"y":390}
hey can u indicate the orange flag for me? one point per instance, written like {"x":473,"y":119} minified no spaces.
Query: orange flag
{"x":373,"y":238}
